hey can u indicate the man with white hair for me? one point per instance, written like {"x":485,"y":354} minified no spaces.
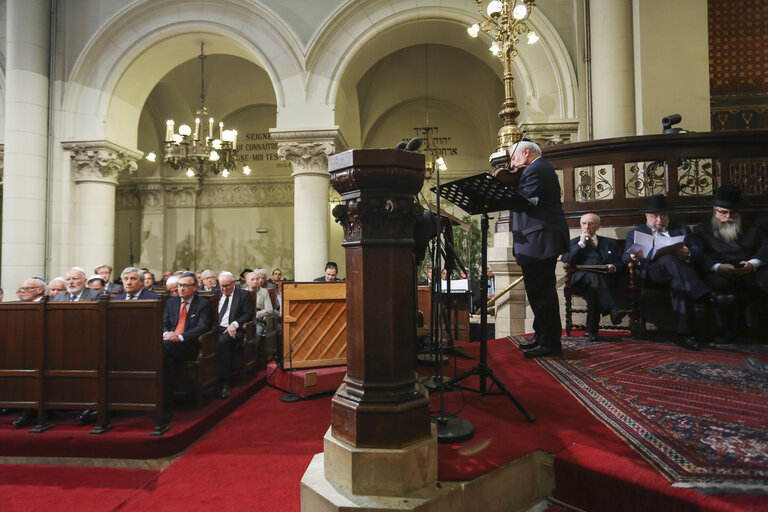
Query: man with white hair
{"x":264,"y":310}
{"x":209,"y":282}
{"x":56,"y":286}
{"x":171,"y":284}
{"x":235,"y":309}
{"x":76,"y":289}
{"x":731,"y":255}
{"x":133,"y":287}
{"x":33,"y":290}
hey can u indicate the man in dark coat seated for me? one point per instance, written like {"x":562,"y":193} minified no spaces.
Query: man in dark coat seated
{"x":590,"y":249}
{"x":671,"y":269}
{"x":186,"y":317}
{"x":730,"y":254}
{"x":235,"y":309}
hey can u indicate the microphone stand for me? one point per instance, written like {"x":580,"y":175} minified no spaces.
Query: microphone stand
{"x":290,"y":396}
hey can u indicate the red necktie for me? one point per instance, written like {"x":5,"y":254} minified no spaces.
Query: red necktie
{"x":182,"y":318}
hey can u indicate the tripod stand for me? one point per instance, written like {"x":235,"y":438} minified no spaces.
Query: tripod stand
{"x":481,"y":194}
{"x":290,"y":396}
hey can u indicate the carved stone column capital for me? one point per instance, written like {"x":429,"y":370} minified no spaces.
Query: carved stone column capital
{"x":308,"y":150}
{"x":100,"y":161}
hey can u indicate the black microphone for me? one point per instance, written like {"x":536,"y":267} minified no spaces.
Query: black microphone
{"x":401,"y":145}
{"x":413,"y":144}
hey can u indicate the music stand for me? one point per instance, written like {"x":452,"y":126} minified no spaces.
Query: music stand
{"x":478,"y":195}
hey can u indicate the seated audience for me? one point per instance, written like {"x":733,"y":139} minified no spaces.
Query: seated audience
{"x":331,"y":271}
{"x":671,"y":269}
{"x":590,"y":249}
{"x":170,"y":285}
{"x":186,"y":318}
{"x":56,"y":286}
{"x":76,"y":290}
{"x":33,"y":290}
{"x":730,"y":254}
{"x":166,"y":275}
{"x":209,"y":282}
{"x":96,"y":282}
{"x":243,"y":274}
{"x":133,"y":288}
{"x":235,"y":309}
{"x":18,"y":293}
{"x":105,"y":271}
{"x":149,"y":281}
{"x":277,"y":276}
{"x":264,"y":310}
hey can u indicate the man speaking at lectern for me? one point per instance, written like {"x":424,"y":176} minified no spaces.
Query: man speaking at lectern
{"x":539,"y":237}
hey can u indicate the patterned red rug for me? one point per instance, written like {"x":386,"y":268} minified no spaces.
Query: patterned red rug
{"x":699,"y":417}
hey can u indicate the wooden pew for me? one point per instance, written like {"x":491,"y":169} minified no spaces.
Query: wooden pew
{"x":135,"y":360}
{"x":75,"y":349}
{"x":22,"y":355}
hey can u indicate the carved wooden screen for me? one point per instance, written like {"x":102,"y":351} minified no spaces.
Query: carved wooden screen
{"x":314,"y":324}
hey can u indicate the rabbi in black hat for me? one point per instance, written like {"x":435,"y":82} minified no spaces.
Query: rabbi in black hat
{"x":671,"y":268}
{"x":731,"y":255}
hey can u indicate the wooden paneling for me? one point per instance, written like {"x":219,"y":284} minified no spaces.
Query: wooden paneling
{"x":314,"y":324}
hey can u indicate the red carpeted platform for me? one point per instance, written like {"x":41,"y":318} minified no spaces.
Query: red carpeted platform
{"x":256,"y":456}
{"x":306,"y":382}
{"x":129,"y":437}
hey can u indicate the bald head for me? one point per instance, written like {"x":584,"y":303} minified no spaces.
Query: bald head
{"x":589,"y":223}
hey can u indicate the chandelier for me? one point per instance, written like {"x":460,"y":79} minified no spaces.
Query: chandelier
{"x":204,"y":150}
{"x":505,"y":20}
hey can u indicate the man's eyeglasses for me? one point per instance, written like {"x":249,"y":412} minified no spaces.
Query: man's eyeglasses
{"x":26,"y":288}
{"x":184,"y":285}
{"x":724,"y":212}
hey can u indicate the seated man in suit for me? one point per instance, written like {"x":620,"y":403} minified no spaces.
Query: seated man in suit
{"x":730,"y":254}
{"x":105,"y":271}
{"x":76,"y":289}
{"x":331,"y":271}
{"x":96,"y":282}
{"x":209,"y":282}
{"x":671,"y":269}
{"x":133,"y":287}
{"x":590,"y":249}
{"x":185,"y":319}
{"x":256,"y":281}
{"x":33,"y":290}
{"x":56,"y":286}
{"x":235,"y":309}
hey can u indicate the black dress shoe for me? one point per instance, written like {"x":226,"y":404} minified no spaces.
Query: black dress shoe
{"x":718,"y":299}
{"x":592,"y":336}
{"x":531,"y":344}
{"x":87,"y":416}
{"x":542,"y":351}
{"x":27,"y":418}
{"x":224,"y":392}
{"x":3,"y":412}
{"x":167,"y":416}
{"x":690,"y":343}
{"x":617,"y":315}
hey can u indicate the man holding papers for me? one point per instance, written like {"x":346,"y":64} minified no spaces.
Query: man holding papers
{"x":660,"y":257}
{"x":596,"y":260}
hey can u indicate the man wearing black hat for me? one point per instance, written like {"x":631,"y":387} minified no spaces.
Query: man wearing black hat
{"x":731,"y":256}
{"x":685,"y":285}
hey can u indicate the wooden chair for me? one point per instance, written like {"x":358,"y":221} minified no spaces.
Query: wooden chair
{"x":622,"y":290}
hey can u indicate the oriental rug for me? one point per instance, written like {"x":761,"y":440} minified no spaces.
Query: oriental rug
{"x":700,"y":418}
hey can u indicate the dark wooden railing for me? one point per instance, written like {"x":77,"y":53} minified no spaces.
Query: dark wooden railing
{"x":613,"y":176}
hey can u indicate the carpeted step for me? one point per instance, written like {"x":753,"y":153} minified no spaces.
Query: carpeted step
{"x":596,"y":480}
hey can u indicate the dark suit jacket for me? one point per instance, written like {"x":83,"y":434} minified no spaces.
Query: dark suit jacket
{"x":607,"y":252}
{"x":88,"y":294}
{"x":113,"y":288}
{"x":673,"y":229}
{"x":539,"y":232}
{"x":216,"y":288}
{"x":198,"y":318}
{"x":143,"y":295}
{"x":242,"y":309}
{"x":707,"y":249}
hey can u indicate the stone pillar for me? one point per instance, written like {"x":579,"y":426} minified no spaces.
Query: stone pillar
{"x":612,"y":77}
{"x":25,"y":181}
{"x":307,"y":152}
{"x":96,"y":166}
{"x":381,"y":441}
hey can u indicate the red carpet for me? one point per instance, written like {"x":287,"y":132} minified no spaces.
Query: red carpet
{"x":699,"y":417}
{"x":68,"y":488}
{"x":129,"y":437}
{"x":254,"y":458}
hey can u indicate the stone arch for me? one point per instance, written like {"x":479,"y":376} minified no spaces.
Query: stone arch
{"x":361,"y":33}
{"x":115,"y":73}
